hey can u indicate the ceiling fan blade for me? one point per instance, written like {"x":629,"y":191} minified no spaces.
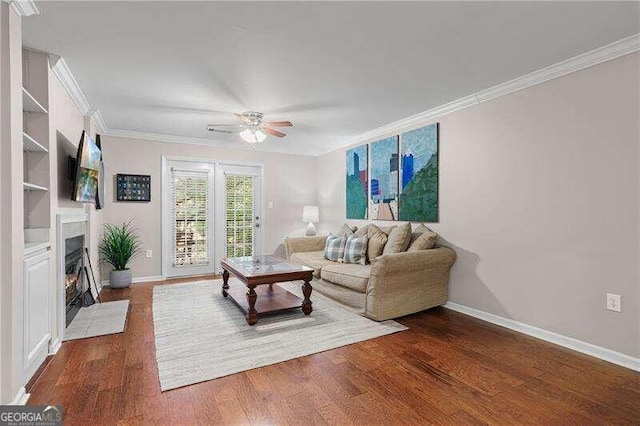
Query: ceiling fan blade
{"x":274,"y":132}
{"x":227,"y":131}
{"x":225,"y":125}
{"x":244,"y":119}
{"x":278,"y":123}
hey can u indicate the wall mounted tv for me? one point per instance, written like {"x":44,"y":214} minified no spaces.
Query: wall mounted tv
{"x":87,"y":170}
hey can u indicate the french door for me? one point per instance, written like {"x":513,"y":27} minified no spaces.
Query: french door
{"x":189,"y":218}
{"x":239,"y":208}
{"x":210,"y":211}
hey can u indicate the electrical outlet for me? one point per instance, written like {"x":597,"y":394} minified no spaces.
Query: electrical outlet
{"x":148,"y":254}
{"x":614,"y":302}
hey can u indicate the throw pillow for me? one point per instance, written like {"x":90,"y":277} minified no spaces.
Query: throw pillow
{"x":334,"y":248}
{"x":345,"y":231}
{"x":420,"y":229}
{"x":399,"y":239}
{"x":362,"y":231}
{"x":376,"y":241}
{"x":387,"y":229}
{"x":355,"y":250}
{"x":422,"y":238}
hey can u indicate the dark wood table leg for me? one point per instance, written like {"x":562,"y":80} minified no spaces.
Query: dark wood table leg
{"x":225,"y":282}
{"x":252,"y":314}
{"x":306,"y":303}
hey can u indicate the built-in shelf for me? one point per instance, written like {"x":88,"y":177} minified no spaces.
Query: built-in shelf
{"x":32,"y":145}
{"x":33,"y":187}
{"x":29,"y":103}
{"x":36,"y":246}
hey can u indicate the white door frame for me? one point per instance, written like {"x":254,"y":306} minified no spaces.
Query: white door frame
{"x":165,"y":243}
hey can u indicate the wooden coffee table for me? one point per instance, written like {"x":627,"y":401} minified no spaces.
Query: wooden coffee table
{"x":257,"y":299}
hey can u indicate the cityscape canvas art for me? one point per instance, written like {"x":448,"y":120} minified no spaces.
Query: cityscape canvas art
{"x":419,"y":175}
{"x":383,"y":199}
{"x":357,"y":182}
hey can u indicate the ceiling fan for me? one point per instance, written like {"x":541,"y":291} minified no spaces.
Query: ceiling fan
{"x":252,"y":129}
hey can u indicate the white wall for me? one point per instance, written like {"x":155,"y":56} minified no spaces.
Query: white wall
{"x":540,"y":198}
{"x":289,"y":182}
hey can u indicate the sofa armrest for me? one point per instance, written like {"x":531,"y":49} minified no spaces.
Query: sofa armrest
{"x":304,"y":244}
{"x":408,"y":282}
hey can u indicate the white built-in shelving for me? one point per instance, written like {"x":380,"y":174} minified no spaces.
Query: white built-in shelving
{"x":29,"y":144}
{"x":36,"y":246}
{"x":33,"y":187}
{"x":36,"y":142}
{"x":30,"y":104}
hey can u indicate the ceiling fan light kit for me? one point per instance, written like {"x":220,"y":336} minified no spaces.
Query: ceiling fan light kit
{"x":253,"y":135}
{"x":254,"y":129}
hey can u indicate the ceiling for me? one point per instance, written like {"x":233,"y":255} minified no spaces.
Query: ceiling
{"x":336,"y":70}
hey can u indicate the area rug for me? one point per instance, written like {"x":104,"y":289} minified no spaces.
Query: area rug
{"x":200,"y":335}
{"x":98,"y":319}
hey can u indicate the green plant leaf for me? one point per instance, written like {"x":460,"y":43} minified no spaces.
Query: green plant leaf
{"x":119,"y":245}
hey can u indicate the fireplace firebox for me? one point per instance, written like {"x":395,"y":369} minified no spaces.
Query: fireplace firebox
{"x":73,"y":282}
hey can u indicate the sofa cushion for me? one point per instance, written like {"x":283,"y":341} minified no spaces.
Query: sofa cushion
{"x":376,"y":241}
{"x":399,"y":239}
{"x":350,"y":275}
{"x":312,"y":259}
{"x":355,"y":250}
{"x":422,"y":238}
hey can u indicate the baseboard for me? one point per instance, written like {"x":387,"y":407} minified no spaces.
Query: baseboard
{"x":135,"y":280}
{"x":549,"y":336}
{"x":55,"y":346}
{"x":147,"y":279}
{"x":21,"y":397}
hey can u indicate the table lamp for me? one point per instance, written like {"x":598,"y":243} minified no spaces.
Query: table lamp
{"x":310,"y":214}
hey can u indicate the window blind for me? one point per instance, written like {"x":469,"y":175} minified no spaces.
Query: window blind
{"x":190,"y":201}
{"x":239,"y":215}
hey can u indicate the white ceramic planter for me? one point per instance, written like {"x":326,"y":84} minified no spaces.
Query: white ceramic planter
{"x":120,"y":279}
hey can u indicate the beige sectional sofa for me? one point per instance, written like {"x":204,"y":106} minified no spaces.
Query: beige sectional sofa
{"x":393,"y":285}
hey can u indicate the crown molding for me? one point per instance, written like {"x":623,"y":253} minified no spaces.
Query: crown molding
{"x":594,"y":57}
{"x":408,"y":122}
{"x":597,"y":56}
{"x":161,"y":137}
{"x":61,"y":70}
{"x":24,"y":7}
{"x":101,"y":126}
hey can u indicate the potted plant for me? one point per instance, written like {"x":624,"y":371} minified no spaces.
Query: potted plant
{"x":118,"y":246}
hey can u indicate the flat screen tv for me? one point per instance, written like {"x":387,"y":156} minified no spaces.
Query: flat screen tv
{"x":87,"y":173}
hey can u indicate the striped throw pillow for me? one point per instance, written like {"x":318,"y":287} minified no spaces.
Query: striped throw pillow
{"x":334,"y":248}
{"x":355,"y":250}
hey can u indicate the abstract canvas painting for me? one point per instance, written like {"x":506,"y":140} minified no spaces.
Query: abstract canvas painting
{"x":383,"y":200}
{"x":419,"y":171}
{"x":357,"y":185}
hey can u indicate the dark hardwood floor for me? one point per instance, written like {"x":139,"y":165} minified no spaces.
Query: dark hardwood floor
{"x":447,"y":369}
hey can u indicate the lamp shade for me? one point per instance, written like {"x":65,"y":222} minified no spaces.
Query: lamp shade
{"x":253,"y":135}
{"x":310,"y":214}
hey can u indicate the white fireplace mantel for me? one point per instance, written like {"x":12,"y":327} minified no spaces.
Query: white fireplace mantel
{"x":68,"y":225}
